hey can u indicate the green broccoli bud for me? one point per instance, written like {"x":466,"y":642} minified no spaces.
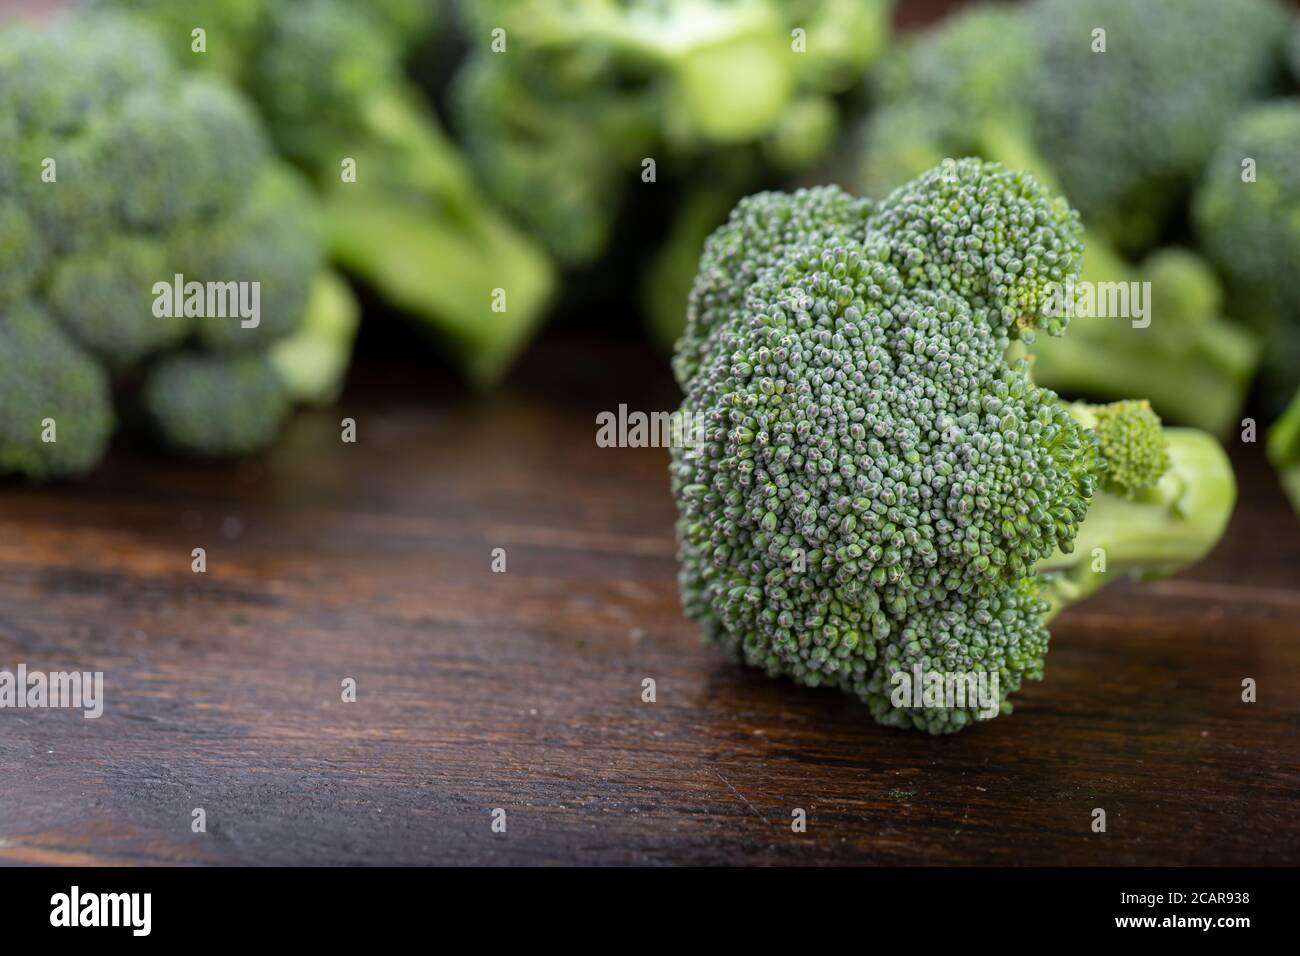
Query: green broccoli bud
{"x":180,"y":153}
{"x":135,"y":178}
{"x":1249,"y":227}
{"x":21,"y":251}
{"x":761,"y":231}
{"x":215,"y":405}
{"x":56,"y":410}
{"x":1131,"y":441}
{"x":102,"y":297}
{"x":1128,"y":130}
{"x":271,"y":239}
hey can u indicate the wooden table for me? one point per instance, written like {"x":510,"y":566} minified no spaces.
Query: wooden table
{"x":522,"y":690}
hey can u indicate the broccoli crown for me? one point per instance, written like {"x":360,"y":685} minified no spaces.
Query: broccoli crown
{"x":215,"y":405}
{"x":876,"y":482}
{"x":1133,"y":445}
{"x":1249,"y":226}
{"x":760,"y":232}
{"x":1127,"y":130}
{"x":56,"y":412}
{"x":400,"y":207}
{"x":122,"y":175}
{"x":979,"y":62}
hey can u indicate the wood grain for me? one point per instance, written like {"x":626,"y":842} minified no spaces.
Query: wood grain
{"x":522,"y":690}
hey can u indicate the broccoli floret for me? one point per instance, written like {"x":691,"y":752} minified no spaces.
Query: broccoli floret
{"x":760,"y":231}
{"x":330,"y":78}
{"x":558,"y":164}
{"x":101,"y":297}
{"x":1284,"y":450}
{"x":1128,"y":130}
{"x":56,"y":410}
{"x":273,"y":239}
{"x":216,"y":405}
{"x":1132,"y":442}
{"x":137,"y":178}
{"x":877,"y":487}
{"x":1123,"y":132}
{"x":1251,"y":231}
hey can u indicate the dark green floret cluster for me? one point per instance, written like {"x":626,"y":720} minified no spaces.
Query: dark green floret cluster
{"x":1249,"y":225}
{"x":1118,"y":105}
{"x":406,"y":216}
{"x":1127,"y":130}
{"x":117,"y":175}
{"x":878,"y":486}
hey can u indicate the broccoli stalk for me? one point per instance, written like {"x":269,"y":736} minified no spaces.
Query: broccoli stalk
{"x":415,"y":227}
{"x":313,"y":361}
{"x":1152,"y":532}
{"x":1284,"y":450}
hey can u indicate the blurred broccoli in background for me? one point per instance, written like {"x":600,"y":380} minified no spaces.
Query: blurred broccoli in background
{"x":120,"y":174}
{"x":1123,"y":133}
{"x":561,"y":102}
{"x":1247,"y":216}
{"x":330,"y":78}
{"x":1284,"y":450}
{"x":1128,"y":130}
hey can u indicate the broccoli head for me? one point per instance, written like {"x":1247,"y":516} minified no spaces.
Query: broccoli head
{"x":1247,"y":215}
{"x":1127,"y":129}
{"x":126,"y":181}
{"x":399,"y":205}
{"x":877,"y":487}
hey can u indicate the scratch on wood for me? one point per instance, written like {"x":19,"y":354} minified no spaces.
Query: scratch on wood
{"x":741,"y":795}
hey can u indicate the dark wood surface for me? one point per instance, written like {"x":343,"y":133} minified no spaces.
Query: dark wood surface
{"x":523,"y":690}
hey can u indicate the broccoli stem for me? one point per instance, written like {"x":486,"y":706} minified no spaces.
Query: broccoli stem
{"x":313,"y":361}
{"x":415,"y":227}
{"x":1284,"y":450}
{"x":1153,"y":534}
